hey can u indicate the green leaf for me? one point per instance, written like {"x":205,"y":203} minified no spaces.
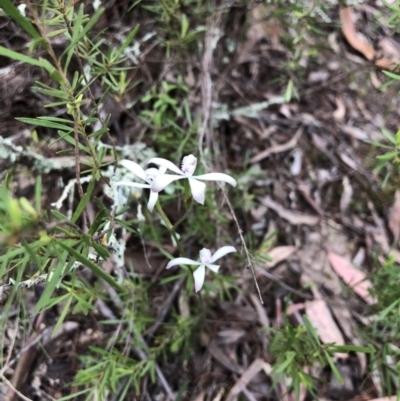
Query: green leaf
{"x":92,"y":266}
{"x":389,"y":136}
{"x":103,"y":252}
{"x":45,"y":123}
{"x":387,"y":156}
{"x":55,"y":75}
{"x":58,"y":215}
{"x":354,"y":348}
{"x":388,"y":309}
{"x":22,"y":21}
{"x":75,"y":396}
{"x":391,"y":75}
{"x":63,"y":315}
{"x":310,"y":329}
{"x":38,"y":193}
{"x":334,"y":369}
{"x":185,"y":26}
{"x":126,"y":43}
{"x":51,"y":285}
{"x":81,"y":33}
{"x":289,"y":358}
{"x":82,"y":204}
{"x":68,"y":138}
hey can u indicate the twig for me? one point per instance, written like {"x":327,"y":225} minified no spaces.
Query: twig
{"x":14,"y":390}
{"x":40,"y":336}
{"x":246,"y":251}
{"x":167,"y":304}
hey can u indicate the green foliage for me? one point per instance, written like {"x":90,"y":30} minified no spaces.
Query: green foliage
{"x":297,"y":348}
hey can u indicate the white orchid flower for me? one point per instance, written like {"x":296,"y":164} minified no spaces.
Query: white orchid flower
{"x":147,"y":175}
{"x":206,"y":260}
{"x":189,"y":164}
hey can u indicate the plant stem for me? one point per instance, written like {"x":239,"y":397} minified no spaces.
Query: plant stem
{"x":170,"y":227}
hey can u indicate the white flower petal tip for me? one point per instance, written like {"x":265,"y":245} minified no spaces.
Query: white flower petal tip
{"x":217,"y":177}
{"x":222,"y":252}
{"x":134,"y":168}
{"x":199,"y":275}
{"x":152,"y":201}
{"x":166,"y":164}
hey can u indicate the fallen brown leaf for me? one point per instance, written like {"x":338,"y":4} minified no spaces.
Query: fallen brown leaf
{"x":200,"y":397}
{"x":346,"y":195}
{"x":262,"y":313}
{"x":394,"y":217}
{"x":278,"y":255}
{"x":394,"y":398}
{"x":357,"y":42}
{"x":292,"y":217}
{"x":353,"y":277}
{"x":340,"y":111}
{"x":220,"y":354}
{"x":247,"y":376}
{"x":321,"y":318}
{"x":284,"y":147}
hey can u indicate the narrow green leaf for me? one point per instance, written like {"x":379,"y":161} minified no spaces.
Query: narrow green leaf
{"x":311,"y":329}
{"x":92,"y":266}
{"x":387,"y":156}
{"x":38,"y":193}
{"x":353,"y":348}
{"x":70,"y":139}
{"x":289,"y":358}
{"x":58,"y":215}
{"x":56,"y":119}
{"x":85,"y":30}
{"x":54,"y":74}
{"x":51,"y":285}
{"x":63,"y":315}
{"x":391,"y":75}
{"x":45,"y":123}
{"x":334,"y":368}
{"x":103,"y":252}
{"x":185,"y":26}
{"x":389,"y":136}
{"x":82,"y":204}
{"x":127,"y":42}
{"x":22,"y":21}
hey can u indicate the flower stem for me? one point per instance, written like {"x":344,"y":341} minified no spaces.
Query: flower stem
{"x":188,"y":205}
{"x":170,"y":228}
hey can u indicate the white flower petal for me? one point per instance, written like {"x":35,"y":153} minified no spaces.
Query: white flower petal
{"x":163,"y":180}
{"x":222,"y":252}
{"x":189,"y":164}
{"x":199,"y":275}
{"x":217,"y":177}
{"x":131,"y":184}
{"x":165,"y":163}
{"x":151,"y":173}
{"x":134,"y":168}
{"x":205,"y":256}
{"x":152,"y":200}
{"x":214,"y":268}
{"x":198,"y":190}
{"x":182,"y":261}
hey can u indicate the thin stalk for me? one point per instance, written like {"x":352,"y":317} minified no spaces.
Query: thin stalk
{"x":188,"y":209}
{"x":170,"y":227}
